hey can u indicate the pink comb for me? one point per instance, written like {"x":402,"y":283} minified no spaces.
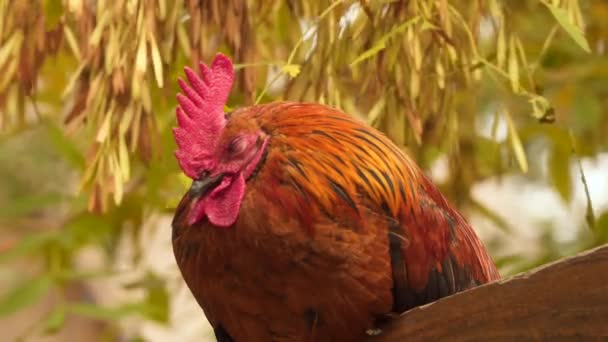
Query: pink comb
{"x":200,"y":114}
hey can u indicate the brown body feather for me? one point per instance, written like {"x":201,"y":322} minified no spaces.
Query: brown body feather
{"x":338,"y":228}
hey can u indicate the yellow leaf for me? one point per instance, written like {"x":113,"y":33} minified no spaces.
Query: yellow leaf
{"x":7,"y":74}
{"x":452,"y":53}
{"x":513,"y":66}
{"x":104,"y":130}
{"x":501,"y":45}
{"x":540,"y":106}
{"x":440,"y":74}
{"x":156,"y":60}
{"x":112,"y":50}
{"x":183,"y":39}
{"x":72,"y":42}
{"x":12,"y":105}
{"x":291,"y":69}
{"x":89,"y":171}
{"x":414,"y":84}
{"x":72,"y":82}
{"x":95,"y":37}
{"x":575,"y":32}
{"x":162,"y":9}
{"x":3,"y":7}
{"x":11,"y":46}
{"x":118,"y":185}
{"x":417,"y":50}
{"x":136,"y":85}
{"x":137,"y":111}
{"x":381,"y":44}
{"x":125,"y":120}
{"x":445,"y":17}
{"x":376,"y":110}
{"x":131,"y":7}
{"x":75,"y":7}
{"x":146,"y":100}
{"x":141,"y":59}
{"x":427,"y":25}
{"x":123,"y":158}
{"x":518,"y":149}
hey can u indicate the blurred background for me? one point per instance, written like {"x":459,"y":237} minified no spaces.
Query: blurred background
{"x":503,"y":103}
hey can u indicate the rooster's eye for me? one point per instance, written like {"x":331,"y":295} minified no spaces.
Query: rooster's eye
{"x":237,"y":146}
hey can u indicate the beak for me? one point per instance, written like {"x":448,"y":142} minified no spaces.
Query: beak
{"x":203,"y":185}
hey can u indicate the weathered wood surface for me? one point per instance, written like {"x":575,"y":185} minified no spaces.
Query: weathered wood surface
{"x":563,"y":301}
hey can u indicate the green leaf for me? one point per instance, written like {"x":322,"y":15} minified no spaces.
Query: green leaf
{"x":379,"y":46}
{"x":602,"y":228}
{"x":102,"y":313}
{"x":491,"y":215}
{"x":27,"y":245}
{"x":55,"y":320}
{"x":72,"y":275}
{"x":381,"y":43}
{"x":87,"y":228}
{"x":29,"y":203}
{"x":509,"y":260}
{"x":559,"y":171}
{"x":157,"y":304}
{"x":589,"y":112}
{"x":24,"y":295}
{"x":561,"y":15}
{"x":53,"y":10}
{"x":65,"y":146}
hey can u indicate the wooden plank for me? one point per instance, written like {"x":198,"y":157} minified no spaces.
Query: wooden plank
{"x":563,"y":301}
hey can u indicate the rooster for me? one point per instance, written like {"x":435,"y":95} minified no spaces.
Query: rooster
{"x":303,"y":224}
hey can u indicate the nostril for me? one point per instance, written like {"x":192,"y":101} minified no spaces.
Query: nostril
{"x":197,"y":186}
{"x":204,"y":184}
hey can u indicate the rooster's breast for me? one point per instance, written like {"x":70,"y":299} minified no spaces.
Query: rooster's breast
{"x":269,"y":278}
